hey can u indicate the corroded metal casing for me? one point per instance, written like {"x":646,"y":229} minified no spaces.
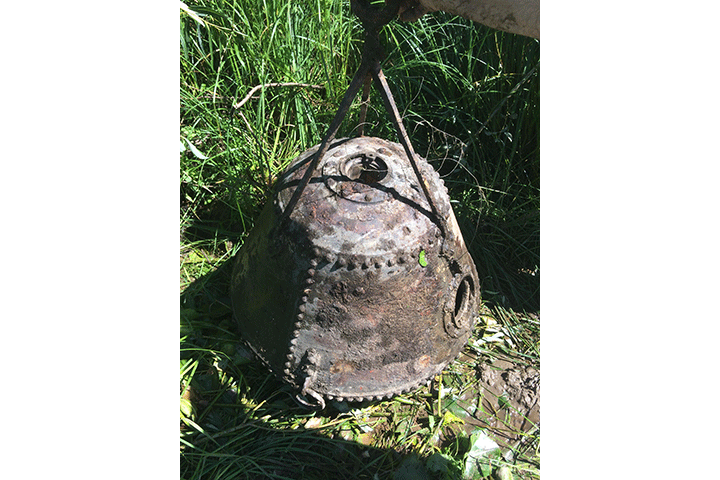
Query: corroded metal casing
{"x":358,"y":295}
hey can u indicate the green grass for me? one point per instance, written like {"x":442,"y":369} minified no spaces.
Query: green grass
{"x":469,"y":97}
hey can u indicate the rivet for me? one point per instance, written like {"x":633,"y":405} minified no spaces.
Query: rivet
{"x":316,"y":251}
{"x":313,"y":262}
{"x":342,"y":262}
{"x":311,"y":272}
{"x":301,"y":308}
{"x":298,"y":324}
{"x":309,"y":281}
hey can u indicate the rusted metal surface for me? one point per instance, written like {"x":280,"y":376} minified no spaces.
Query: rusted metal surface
{"x":358,"y":294}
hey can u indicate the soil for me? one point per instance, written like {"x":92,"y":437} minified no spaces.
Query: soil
{"x":512,"y":394}
{"x":506,"y":402}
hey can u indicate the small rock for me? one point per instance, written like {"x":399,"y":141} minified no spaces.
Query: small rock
{"x":503,"y":473}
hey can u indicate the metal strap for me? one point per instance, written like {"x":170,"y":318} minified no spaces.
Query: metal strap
{"x":372,"y":20}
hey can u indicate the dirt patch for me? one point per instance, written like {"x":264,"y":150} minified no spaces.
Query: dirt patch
{"x":505,"y":401}
{"x":511,"y":397}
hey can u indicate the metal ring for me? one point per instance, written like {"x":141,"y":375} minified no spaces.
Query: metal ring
{"x":306,"y":390}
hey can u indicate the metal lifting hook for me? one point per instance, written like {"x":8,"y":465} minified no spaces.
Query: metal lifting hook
{"x":372,"y":20}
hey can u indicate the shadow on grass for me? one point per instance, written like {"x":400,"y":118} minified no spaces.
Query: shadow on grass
{"x":244,"y":422}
